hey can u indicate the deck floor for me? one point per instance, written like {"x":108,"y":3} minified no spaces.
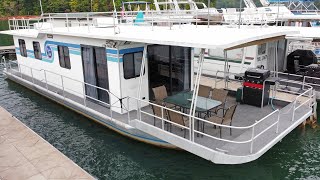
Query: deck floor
{"x":245,"y":115}
{"x":25,"y":155}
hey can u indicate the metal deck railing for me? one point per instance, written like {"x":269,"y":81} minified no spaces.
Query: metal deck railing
{"x":67,"y":87}
{"x":302,"y":99}
{"x":58,"y":82}
{"x":231,"y":16}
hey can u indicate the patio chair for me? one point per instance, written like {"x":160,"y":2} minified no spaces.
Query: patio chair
{"x":219,"y":95}
{"x":226,"y":118}
{"x":160,"y":93}
{"x":204,"y":91}
{"x":178,"y":119}
{"x":157,"y":111}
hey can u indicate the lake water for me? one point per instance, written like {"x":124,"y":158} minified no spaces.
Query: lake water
{"x":108,"y":155}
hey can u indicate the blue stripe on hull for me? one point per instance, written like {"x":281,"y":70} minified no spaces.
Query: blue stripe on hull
{"x":75,"y":49}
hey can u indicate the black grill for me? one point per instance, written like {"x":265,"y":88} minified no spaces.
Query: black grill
{"x":253,"y":87}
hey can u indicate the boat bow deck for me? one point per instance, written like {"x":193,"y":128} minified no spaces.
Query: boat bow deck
{"x":266,"y":128}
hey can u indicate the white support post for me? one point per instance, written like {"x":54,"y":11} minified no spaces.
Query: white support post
{"x":225,"y":68}
{"x":195,"y":95}
{"x":144,"y":57}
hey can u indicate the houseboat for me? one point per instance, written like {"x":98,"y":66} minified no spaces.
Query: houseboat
{"x":141,"y":82}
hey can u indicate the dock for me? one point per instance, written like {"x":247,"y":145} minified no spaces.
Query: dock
{"x":25,"y":155}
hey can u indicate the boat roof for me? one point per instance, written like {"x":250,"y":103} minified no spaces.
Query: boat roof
{"x":214,"y":37}
{"x":311,"y":17}
{"x":305,"y":33}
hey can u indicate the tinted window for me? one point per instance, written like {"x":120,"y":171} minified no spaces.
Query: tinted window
{"x":37,"y":50}
{"x":23,"y":49}
{"x":64,"y":57}
{"x":132,"y":65}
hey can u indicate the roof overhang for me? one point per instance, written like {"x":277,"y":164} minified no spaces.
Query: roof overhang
{"x":257,"y":42}
{"x":215,"y":37}
{"x":304,"y":33}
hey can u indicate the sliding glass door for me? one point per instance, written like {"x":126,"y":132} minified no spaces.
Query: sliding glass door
{"x":169,"y":66}
{"x":95,"y":71}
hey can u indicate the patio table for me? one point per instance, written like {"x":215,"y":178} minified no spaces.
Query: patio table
{"x":183,"y":100}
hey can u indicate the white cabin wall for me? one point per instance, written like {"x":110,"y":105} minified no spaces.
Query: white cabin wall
{"x":75,"y":78}
{"x":114,"y":79}
{"x":130,"y":87}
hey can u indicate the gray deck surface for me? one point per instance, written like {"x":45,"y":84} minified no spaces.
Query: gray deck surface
{"x":245,"y":115}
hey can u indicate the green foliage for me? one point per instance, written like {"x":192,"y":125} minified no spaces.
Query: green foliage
{"x":32,"y":7}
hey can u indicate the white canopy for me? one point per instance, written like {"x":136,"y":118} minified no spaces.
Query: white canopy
{"x":222,"y":37}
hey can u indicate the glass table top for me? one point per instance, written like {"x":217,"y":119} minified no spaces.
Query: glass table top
{"x":183,"y":99}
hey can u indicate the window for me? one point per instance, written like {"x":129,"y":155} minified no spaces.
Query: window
{"x":23,"y":49}
{"x":37,"y":50}
{"x":262,"y":49}
{"x":64,"y":57}
{"x":132,"y":65}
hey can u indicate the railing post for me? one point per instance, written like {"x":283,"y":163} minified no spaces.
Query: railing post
{"x":84,"y":94}
{"x":128,"y":109}
{"x":191,"y":128}
{"x":162,"y":120}
{"x":277,"y":130}
{"x":88,"y":22}
{"x":114,"y":23}
{"x":208,"y":13}
{"x":62,"y":85}
{"x":19,"y":66}
{"x":252,"y":136}
{"x":293,"y":109}
{"x":152,"y":20}
{"x":45,"y":77}
{"x":67,"y":22}
{"x":304,"y":80}
{"x":32,"y":75}
{"x":196,"y":18}
{"x":111,"y":114}
{"x":51,"y":25}
{"x":138,"y":111}
{"x":310,"y":97}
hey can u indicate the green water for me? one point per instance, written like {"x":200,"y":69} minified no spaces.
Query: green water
{"x":108,"y":155}
{"x":5,"y":40}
